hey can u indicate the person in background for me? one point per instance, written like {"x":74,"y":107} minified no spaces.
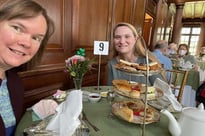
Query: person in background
{"x":202,"y":53}
{"x":24,"y":31}
{"x":172,"y":50}
{"x":128,"y":46}
{"x":183,"y":53}
{"x":160,"y":51}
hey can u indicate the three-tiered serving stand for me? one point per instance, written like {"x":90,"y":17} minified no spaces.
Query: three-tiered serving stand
{"x":147,"y":74}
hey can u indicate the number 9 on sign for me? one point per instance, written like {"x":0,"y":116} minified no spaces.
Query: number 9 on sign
{"x":101,"y":47}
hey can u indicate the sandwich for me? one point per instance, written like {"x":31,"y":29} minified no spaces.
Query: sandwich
{"x":132,"y":67}
{"x":150,"y":92}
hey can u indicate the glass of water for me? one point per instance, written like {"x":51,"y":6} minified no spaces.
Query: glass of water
{"x":110,"y":96}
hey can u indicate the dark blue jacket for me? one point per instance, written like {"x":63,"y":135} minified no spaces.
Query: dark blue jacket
{"x":16,"y":92}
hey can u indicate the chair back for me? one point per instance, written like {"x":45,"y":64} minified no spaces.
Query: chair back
{"x":177,"y":81}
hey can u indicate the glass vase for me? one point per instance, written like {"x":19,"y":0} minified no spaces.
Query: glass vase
{"x":78,"y":83}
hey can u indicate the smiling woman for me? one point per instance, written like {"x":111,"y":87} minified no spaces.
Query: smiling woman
{"x":127,"y":46}
{"x":15,"y":14}
{"x":20,"y":40}
{"x":24,"y":32}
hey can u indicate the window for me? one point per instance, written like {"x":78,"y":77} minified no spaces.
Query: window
{"x":190,"y":36}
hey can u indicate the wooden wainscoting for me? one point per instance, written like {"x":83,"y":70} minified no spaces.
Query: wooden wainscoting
{"x":43,"y":82}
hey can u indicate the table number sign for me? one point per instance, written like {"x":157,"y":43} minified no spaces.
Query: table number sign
{"x":101,"y":47}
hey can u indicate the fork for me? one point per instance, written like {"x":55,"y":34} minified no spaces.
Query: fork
{"x":82,"y":132}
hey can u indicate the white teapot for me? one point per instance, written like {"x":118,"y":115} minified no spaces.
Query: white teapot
{"x":190,"y":123}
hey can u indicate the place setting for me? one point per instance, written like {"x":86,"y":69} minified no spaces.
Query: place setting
{"x":56,"y":119}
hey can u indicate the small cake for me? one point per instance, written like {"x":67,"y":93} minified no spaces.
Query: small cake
{"x":153,"y":66}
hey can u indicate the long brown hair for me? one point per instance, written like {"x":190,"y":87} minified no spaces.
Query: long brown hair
{"x":22,"y":9}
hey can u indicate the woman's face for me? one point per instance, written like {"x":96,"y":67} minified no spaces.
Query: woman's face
{"x":20,"y":40}
{"x":182,"y":50}
{"x":124,"y":40}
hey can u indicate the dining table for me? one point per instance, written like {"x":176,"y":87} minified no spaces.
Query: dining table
{"x":100,"y":114}
{"x":191,"y":85}
{"x":193,"y":78}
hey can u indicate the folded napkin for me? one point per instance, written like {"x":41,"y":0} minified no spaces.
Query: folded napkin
{"x":162,"y":85}
{"x":66,"y":120}
{"x":45,"y":108}
{"x":187,"y":65}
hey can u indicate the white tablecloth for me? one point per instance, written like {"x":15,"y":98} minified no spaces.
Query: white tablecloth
{"x":188,"y":96}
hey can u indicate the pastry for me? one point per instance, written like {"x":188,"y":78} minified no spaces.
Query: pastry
{"x":122,"y":85}
{"x":153,"y":66}
{"x":142,"y":67}
{"x":119,"y":81}
{"x":128,"y":68}
{"x":126,"y":88}
{"x":125,"y":62}
{"x":134,"y":65}
{"x":149,"y":115}
{"x":124,"y":66}
{"x":134,"y":94}
{"x":126,"y":113}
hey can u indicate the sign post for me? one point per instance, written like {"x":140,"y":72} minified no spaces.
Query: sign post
{"x":100,"y":48}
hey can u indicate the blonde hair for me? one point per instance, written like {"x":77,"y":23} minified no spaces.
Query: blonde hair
{"x":139,"y":48}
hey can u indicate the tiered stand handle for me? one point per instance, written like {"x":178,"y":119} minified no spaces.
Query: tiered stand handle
{"x":147,"y":79}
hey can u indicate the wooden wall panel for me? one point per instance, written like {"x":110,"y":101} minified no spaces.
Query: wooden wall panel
{"x":89,"y":22}
{"x":122,"y":11}
{"x":139,"y":14}
{"x":54,"y":9}
{"x":151,"y":8}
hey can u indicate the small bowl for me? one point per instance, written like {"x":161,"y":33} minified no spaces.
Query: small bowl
{"x":94,"y":97}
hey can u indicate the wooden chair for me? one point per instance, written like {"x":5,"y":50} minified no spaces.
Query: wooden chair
{"x":177,"y":81}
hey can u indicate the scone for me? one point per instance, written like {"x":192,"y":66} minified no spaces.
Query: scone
{"x":126,"y":88}
{"x":126,"y":113}
{"x":122,"y":86}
